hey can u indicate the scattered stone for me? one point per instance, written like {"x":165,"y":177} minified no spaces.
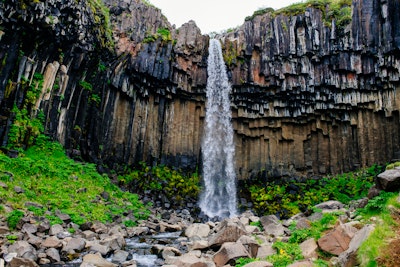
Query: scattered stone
{"x":197,"y":229}
{"x":53,"y":254}
{"x":337,"y":240}
{"x":309,"y":249}
{"x":23,"y":250}
{"x":349,"y":257}
{"x":97,"y":260}
{"x":330,"y":205}
{"x":52,"y":242}
{"x":227,"y":231}
{"x":19,"y":262}
{"x":259,"y":264}
{"x":389,"y":180}
{"x":55,"y":229}
{"x":19,"y":190}
{"x":229,"y":251}
{"x":75,"y":244}
{"x":120,"y":256}
{"x":4,"y":230}
{"x":265,"y":250}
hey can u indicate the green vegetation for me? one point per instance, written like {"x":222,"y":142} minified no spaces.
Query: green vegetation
{"x":101,"y":16}
{"x":339,"y":10}
{"x":86,"y":85}
{"x":162,"y":180}
{"x":286,"y":254}
{"x":27,"y":125}
{"x":379,"y":212}
{"x":163,"y":33}
{"x":49,"y":178}
{"x":275,"y":198}
{"x":13,"y":218}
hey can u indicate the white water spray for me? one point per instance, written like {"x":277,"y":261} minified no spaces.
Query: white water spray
{"x":219,"y":194}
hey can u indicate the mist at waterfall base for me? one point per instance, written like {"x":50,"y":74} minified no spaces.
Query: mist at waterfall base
{"x":218,"y":198}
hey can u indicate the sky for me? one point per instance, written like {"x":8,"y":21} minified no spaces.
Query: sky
{"x":214,"y":15}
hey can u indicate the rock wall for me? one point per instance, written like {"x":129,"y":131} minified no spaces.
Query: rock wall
{"x":308,"y":97}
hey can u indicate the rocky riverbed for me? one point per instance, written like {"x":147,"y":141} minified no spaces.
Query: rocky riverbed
{"x":169,"y":238}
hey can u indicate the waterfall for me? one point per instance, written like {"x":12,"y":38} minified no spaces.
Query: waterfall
{"x":218,"y":198}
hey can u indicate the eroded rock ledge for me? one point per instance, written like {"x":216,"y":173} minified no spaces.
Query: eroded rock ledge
{"x":308,"y":98}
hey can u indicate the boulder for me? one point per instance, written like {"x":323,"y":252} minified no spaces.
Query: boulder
{"x":330,"y":205}
{"x":337,"y":240}
{"x":120,"y":256}
{"x":115,"y":242}
{"x":55,"y":229}
{"x":348,"y":258}
{"x":29,"y":228}
{"x":259,"y":264}
{"x":197,"y":229}
{"x":189,"y":260}
{"x":265,"y":250}
{"x":389,"y":180}
{"x":250,"y":244}
{"x":97,"y":261}
{"x":135,"y":231}
{"x":53,"y":254}
{"x":302,"y":263}
{"x":52,"y":242}
{"x":95,"y":246}
{"x":309,"y":249}
{"x":229,"y":251}
{"x":228,"y":231}
{"x":272,"y":226}
{"x":23,"y":250}
{"x":74,"y":244}
{"x":19,"y":262}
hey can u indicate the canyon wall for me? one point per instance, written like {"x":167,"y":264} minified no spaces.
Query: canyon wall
{"x":309,"y":97}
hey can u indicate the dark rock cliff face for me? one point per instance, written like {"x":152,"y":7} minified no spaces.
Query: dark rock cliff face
{"x":308,"y":98}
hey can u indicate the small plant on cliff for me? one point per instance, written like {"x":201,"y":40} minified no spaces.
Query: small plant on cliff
{"x":163,"y":33}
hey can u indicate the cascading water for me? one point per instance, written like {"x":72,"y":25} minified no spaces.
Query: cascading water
{"x":219,"y":196}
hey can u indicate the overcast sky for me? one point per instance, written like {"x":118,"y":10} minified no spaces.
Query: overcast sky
{"x":214,"y":15}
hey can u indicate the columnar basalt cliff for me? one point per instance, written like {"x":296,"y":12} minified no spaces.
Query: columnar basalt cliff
{"x":309,"y":97}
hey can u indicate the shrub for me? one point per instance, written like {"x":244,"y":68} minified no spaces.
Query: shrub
{"x":14,"y":217}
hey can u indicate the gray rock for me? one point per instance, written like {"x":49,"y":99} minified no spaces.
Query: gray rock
{"x":227,"y":231}
{"x":95,"y":246}
{"x":330,"y":205}
{"x":265,"y":250}
{"x":389,"y":180}
{"x":97,"y":260}
{"x":120,"y":256}
{"x":309,"y":249}
{"x":23,"y":250}
{"x":197,"y":229}
{"x":55,"y":229}
{"x":349,"y":257}
{"x":229,"y":251}
{"x":52,"y":242}
{"x":19,"y":262}
{"x":75,"y":244}
{"x":259,"y":264}
{"x":53,"y":254}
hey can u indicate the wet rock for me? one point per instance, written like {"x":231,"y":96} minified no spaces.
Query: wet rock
{"x":120,"y":256}
{"x":97,"y":260}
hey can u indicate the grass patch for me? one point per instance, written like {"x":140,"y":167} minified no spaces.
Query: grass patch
{"x":377,"y":212}
{"x":287,"y":198}
{"x":49,"y":178}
